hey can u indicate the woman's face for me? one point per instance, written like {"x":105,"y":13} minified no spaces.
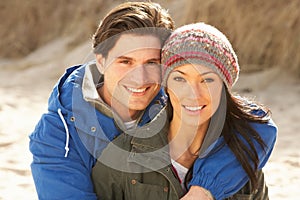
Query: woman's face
{"x":195,"y":93}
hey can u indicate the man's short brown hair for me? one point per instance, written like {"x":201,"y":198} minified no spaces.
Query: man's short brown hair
{"x":127,"y":17}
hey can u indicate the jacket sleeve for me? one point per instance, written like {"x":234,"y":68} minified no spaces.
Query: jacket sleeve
{"x":222,"y":174}
{"x":56,"y":176}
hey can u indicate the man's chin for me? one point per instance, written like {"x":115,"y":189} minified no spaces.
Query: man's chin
{"x":138,"y":106}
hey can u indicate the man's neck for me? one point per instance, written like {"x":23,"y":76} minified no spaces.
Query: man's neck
{"x":124,"y":112}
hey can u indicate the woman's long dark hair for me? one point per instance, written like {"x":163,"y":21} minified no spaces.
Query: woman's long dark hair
{"x":240,"y":136}
{"x":240,"y":113}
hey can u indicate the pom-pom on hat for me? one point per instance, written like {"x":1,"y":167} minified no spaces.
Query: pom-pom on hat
{"x":203,"y":44}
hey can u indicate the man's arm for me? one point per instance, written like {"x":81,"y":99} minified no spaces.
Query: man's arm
{"x":56,"y":176}
{"x":222,"y":174}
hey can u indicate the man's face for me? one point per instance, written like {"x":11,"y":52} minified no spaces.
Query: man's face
{"x":131,"y":74}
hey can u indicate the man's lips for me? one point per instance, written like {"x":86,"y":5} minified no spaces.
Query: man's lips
{"x":137,"y":91}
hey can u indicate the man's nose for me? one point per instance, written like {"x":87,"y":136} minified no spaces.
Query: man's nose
{"x":141,"y":75}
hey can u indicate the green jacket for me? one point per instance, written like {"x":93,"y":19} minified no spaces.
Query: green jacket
{"x":137,"y":167}
{"x":245,"y":192}
{"x":140,"y":167}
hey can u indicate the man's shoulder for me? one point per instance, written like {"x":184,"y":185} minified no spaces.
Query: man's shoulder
{"x":155,"y":107}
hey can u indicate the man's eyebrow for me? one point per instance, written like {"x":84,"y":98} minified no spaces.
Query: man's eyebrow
{"x":130,"y":58}
{"x":124,"y":57}
{"x":154,"y":59}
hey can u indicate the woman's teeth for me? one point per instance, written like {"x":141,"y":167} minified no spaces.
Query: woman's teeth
{"x":193,"y":108}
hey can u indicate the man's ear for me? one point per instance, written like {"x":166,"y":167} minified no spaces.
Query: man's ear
{"x":100,"y":62}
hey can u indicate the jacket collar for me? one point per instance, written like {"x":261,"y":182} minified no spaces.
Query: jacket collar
{"x":153,"y":135}
{"x":91,"y":78}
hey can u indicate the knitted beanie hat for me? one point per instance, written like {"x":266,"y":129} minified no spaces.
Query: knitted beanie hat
{"x":200,"y":44}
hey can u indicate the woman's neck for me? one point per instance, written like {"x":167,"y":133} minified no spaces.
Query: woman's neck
{"x":185,"y":141}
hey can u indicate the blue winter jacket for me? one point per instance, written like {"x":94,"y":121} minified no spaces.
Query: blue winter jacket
{"x":72,"y":134}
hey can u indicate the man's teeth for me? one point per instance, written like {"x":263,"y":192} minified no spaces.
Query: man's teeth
{"x":136,"y":90}
{"x":192,"y":108}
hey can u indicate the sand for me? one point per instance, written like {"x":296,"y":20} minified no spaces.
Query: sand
{"x":25,"y":85}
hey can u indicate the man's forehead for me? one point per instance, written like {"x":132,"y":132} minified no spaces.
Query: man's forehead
{"x":130,"y":43}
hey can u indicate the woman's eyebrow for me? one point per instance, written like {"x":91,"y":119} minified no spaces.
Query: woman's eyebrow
{"x":201,"y":74}
{"x":209,"y":72}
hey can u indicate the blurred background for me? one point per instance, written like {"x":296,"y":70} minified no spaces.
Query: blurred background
{"x":40,"y":39}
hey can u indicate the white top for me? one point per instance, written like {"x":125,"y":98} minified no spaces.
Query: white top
{"x":130,"y":124}
{"x":181,"y":171}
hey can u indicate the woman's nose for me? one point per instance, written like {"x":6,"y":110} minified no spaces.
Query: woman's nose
{"x":197,"y":90}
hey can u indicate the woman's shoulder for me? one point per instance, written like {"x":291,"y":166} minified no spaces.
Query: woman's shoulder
{"x":263,"y":122}
{"x":263,"y":114}
{"x":254,"y":108}
{"x":267,"y":130}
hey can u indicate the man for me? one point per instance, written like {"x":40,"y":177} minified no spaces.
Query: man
{"x":92,"y":103}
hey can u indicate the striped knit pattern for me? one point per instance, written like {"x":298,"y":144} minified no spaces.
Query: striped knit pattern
{"x":201,"y":44}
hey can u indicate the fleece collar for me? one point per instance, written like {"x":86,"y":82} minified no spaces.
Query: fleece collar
{"x":92,"y":78}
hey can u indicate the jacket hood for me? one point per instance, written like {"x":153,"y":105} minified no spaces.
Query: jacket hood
{"x":55,"y":100}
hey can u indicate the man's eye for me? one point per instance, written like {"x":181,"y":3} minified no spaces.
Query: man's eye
{"x":126,"y":62}
{"x":153,"y":63}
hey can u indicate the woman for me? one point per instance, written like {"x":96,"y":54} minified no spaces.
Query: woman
{"x":205,"y":127}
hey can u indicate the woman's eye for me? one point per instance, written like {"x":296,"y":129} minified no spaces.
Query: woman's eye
{"x":179,"y":79}
{"x":208,"y":80}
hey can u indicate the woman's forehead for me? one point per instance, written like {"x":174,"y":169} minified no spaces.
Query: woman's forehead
{"x":193,"y":68}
